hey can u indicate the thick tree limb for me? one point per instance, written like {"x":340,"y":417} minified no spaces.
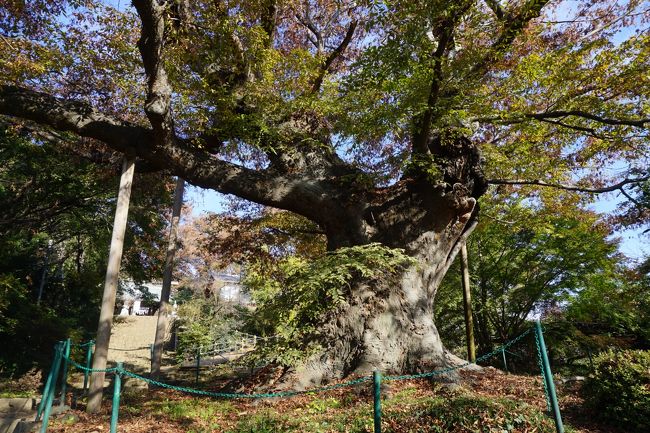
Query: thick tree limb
{"x":299,"y":194}
{"x":610,"y":188}
{"x":444,"y":34}
{"x":514,"y":22}
{"x":151,"y":45}
{"x":268,"y":20}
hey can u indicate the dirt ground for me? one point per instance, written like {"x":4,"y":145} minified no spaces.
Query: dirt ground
{"x":130,"y":341}
{"x":154,"y":410}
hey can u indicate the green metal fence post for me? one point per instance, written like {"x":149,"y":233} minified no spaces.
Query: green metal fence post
{"x":89,"y":356}
{"x":198,"y":365}
{"x":548,"y":377}
{"x":48,"y":383}
{"x":503,"y":355}
{"x":115,"y":410}
{"x":64,"y":380}
{"x":50,"y":395}
{"x":376,"y":385}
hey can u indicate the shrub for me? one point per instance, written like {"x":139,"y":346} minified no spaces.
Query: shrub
{"x":619,"y":389}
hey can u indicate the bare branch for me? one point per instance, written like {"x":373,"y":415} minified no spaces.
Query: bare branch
{"x":639,"y":123}
{"x":338,"y":51}
{"x":610,"y":188}
{"x":306,"y":21}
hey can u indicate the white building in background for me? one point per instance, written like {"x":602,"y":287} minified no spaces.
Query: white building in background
{"x":230,"y":288}
{"x":132,"y":297}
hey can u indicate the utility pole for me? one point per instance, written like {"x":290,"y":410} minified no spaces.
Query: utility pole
{"x":103,"y":337}
{"x":467,"y":304}
{"x":164,"y":310}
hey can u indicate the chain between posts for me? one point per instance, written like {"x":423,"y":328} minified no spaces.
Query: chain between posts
{"x":458,"y":367}
{"x":279,"y":394}
{"x":541,"y":368}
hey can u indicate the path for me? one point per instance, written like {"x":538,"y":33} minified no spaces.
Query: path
{"x":130,"y":341}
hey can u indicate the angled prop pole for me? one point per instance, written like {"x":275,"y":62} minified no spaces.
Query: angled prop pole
{"x":110,"y":287}
{"x":164,"y":307}
{"x":467,"y":304}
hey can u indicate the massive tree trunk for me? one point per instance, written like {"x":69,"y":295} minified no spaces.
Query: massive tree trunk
{"x":390,"y":326}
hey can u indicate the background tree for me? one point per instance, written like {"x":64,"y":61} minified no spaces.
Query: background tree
{"x":380,"y":122}
{"x":50,"y":194}
{"x":526,"y":261}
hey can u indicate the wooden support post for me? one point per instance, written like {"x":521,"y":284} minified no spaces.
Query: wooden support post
{"x":467,"y":303}
{"x":110,"y":287}
{"x":164,"y":309}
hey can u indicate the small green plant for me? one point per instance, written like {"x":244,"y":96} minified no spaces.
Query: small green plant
{"x":619,"y":389}
{"x":293,"y":294}
{"x":321,"y":405}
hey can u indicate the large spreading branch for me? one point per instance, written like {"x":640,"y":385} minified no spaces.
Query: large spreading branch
{"x":547,"y":116}
{"x":514,"y":21}
{"x":299,"y":194}
{"x":568,"y":187}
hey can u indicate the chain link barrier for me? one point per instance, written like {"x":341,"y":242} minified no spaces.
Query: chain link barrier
{"x":242,"y":395}
{"x":458,"y":367}
{"x":541,"y":368}
{"x":86,"y":344}
{"x":281,"y":394}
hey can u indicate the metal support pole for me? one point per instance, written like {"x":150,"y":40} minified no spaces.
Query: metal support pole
{"x":64,"y":379}
{"x":50,"y":379}
{"x":376,"y":385}
{"x":548,"y":377}
{"x":50,"y":395}
{"x":151,"y":355}
{"x":89,"y":357}
{"x":117,"y":385}
{"x":198,"y":365}
{"x":505,"y":363}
